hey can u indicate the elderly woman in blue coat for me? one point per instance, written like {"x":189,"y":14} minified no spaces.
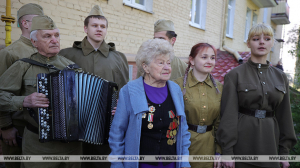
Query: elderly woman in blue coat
{"x":150,"y":118}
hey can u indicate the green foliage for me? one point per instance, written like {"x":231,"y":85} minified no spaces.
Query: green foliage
{"x":295,"y":106}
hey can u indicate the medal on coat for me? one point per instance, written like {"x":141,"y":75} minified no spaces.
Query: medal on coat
{"x":151,"y":109}
{"x":150,"y":120}
{"x":144,"y":115}
{"x":170,"y":142}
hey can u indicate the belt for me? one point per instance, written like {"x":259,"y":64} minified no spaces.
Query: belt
{"x":256,"y":113}
{"x":32,"y":128}
{"x":200,"y":128}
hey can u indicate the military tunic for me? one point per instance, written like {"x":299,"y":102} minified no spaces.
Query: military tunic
{"x":178,"y":69}
{"x":21,"y":48}
{"x":202,"y":107}
{"x":18,"y":82}
{"x":263,"y":87}
{"x":107,"y":63}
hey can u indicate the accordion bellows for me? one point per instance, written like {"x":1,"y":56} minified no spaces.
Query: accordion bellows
{"x":80,"y":107}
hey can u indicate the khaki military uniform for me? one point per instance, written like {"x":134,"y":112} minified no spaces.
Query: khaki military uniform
{"x":18,"y":82}
{"x":21,"y":48}
{"x":202,"y":107}
{"x":107,"y":63}
{"x":263,"y":87}
{"x":178,"y":69}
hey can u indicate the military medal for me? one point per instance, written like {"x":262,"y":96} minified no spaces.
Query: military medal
{"x":144,"y":115}
{"x":174,"y":132}
{"x":150,"y":126}
{"x":151,"y":109}
{"x":150,"y":120}
{"x":170,"y":142}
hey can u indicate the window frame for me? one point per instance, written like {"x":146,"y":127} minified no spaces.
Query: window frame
{"x":248,"y":23}
{"x":202,"y":13}
{"x":147,"y":7}
{"x":231,"y":5}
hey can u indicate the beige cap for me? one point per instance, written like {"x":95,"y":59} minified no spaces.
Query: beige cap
{"x":42,"y":23}
{"x":30,"y":9}
{"x":163,"y":25}
{"x":96,"y":10}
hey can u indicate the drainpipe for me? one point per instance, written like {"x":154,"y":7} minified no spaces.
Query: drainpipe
{"x":8,"y":19}
{"x":231,"y":51}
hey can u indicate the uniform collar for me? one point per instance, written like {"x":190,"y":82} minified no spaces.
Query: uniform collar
{"x":44,"y":58}
{"x":87,"y":47}
{"x":26,"y":41}
{"x":258,"y":65}
{"x":192,"y":80}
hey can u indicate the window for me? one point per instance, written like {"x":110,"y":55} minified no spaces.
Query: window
{"x":145,"y":5}
{"x":230,"y":18}
{"x":198,"y":13}
{"x":248,"y":23}
{"x":254,"y":20}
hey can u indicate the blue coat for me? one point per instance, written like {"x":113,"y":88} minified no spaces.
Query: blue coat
{"x":125,"y":133}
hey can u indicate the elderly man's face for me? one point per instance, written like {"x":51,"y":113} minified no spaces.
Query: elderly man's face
{"x":48,"y":42}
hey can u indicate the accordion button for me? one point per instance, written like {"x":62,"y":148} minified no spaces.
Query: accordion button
{"x":42,"y":120}
{"x":46,"y":94}
{"x":47,"y":117}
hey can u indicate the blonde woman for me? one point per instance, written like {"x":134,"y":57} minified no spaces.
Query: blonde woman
{"x":202,"y":95}
{"x":256,"y":116}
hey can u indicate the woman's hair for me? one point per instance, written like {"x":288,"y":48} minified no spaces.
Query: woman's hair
{"x":150,"y":49}
{"x":194,"y":52}
{"x":259,"y":29}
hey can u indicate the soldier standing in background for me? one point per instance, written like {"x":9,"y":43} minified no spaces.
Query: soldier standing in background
{"x":164,"y":29}
{"x":96,"y":56}
{"x":12,"y":124}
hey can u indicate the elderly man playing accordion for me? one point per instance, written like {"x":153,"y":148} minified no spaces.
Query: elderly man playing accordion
{"x":18,"y":92}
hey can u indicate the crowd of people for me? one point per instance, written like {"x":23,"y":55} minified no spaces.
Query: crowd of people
{"x":172,"y":108}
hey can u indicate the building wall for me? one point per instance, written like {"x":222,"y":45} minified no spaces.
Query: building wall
{"x":129,"y":27}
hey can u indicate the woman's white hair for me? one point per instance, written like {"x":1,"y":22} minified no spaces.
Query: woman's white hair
{"x":150,"y":49}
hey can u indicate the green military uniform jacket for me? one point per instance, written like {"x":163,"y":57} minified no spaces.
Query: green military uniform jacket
{"x":106,"y":62}
{"x":202,"y":107}
{"x":21,"y":48}
{"x":18,"y":82}
{"x":178,"y":69}
{"x":263,"y":87}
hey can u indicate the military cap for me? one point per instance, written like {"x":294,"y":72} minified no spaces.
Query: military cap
{"x":163,"y":25}
{"x":96,"y":10}
{"x":30,"y":9}
{"x":42,"y":23}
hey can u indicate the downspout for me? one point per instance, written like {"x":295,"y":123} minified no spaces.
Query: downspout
{"x":8,"y":19}
{"x":231,"y":51}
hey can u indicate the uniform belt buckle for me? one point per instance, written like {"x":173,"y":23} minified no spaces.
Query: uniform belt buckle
{"x":260,"y":113}
{"x":201,"y":128}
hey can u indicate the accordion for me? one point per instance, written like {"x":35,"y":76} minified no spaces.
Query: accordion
{"x":80,"y":107}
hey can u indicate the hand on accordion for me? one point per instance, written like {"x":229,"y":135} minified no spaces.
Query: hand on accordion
{"x":36,"y":100}
{"x":114,"y":110}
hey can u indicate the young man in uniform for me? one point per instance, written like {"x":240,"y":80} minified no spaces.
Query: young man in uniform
{"x":12,"y":124}
{"x":164,"y":29}
{"x":96,"y":56}
{"x":18,"y":92}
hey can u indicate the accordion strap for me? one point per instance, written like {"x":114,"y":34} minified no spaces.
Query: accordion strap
{"x":33,"y":62}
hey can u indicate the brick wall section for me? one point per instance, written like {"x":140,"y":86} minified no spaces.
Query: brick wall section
{"x":129,"y":27}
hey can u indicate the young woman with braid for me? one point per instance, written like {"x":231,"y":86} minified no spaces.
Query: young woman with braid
{"x":202,"y":95}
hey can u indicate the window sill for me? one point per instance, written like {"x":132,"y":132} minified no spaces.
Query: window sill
{"x":135,"y":7}
{"x":229,"y":37}
{"x":196,"y":26}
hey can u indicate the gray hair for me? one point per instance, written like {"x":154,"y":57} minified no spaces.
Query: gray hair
{"x":150,"y":49}
{"x":33,"y":35}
